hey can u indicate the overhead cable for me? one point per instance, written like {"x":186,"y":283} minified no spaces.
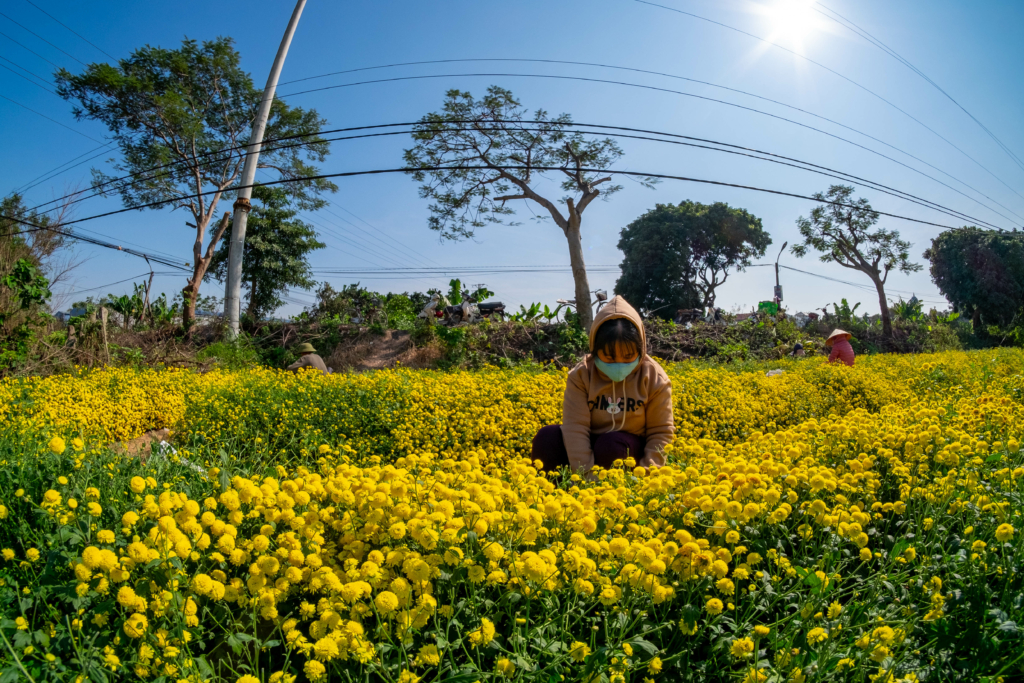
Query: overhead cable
{"x":666,"y":90}
{"x":47,"y":117}
{"x":774,"y":158}
{"x":70,"y":29}
{"x":33,"y":227}
{"x":510,"y":167}
{"x":863,"y":33}
{"x":845,"y":78}
{"x":649,"y":72}
{"x":43,"y":39}
{"x":674,"y":76}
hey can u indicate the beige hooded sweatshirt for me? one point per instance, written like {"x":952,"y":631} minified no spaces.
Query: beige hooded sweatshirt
{"x":644,"y":399}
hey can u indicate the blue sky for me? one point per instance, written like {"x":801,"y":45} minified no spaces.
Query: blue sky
{"x":969,"y":49}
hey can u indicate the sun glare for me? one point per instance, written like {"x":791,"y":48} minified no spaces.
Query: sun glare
{"x":793,"y":19}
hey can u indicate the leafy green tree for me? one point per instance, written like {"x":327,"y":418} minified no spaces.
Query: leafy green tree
{"x":276,"y":254}
{"x":181,"y":119}
{"x":24,"y":292}
{"x":676,"y":256}
{"x":493,"y":157}
{"x":30,"y":266}
{"x":981,"y":272}
{"x":841,"y":228}
{"x":18,"y":241}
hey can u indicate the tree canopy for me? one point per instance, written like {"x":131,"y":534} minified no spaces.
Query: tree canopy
{"x":981,"y":272}
{"x":475,"y":156}
{"x":676,"y":256}
{"x":181,"y":119}
{"x":842,"y":229}
{"x":276,"y":253}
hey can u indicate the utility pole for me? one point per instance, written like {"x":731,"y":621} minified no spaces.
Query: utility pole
{"x":778,"y":287}
{"x":233,"y":289}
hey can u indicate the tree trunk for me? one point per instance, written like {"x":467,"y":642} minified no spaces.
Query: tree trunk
{"x":251,"y":308}
{"x":191,"y":294}
{"x":579,"y":275}
{"x":886,"y":318}
{"x":191,"y":290}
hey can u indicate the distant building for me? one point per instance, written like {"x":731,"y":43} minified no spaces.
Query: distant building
{"x":64,"y":316}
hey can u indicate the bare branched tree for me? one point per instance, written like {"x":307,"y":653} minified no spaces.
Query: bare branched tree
{"x":478,"y":155}
{"x":842,"y":229}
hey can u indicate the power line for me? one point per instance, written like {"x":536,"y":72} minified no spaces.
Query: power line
{"x":33,"y":227}
{"x":2,"y":66}
{"x":845,"y":78}
{"x":327,"y":231}
{"x":47,"y":118}
{"x":358,"y":246}
{"x":674,"y":76}
{"x":854,"y":284}
{"x":684,"y":94}
{"x":676,"y":92}
{"x":70,"y":29}
{"x":351,"y":174}
{"x":654,"y":73}
{"x":350,"y":243}
{"x":31,"y":73}
{"x":863,"y":33}
{"x":24,"y":47}
{"x":42,"y":39}
{"x":373,"y":227}
{"x":350,"y":237}
{"x":111,"y":284}
{"x":774,"y":158}
{"x":53,"y":173}
{"x":552,"y":266}
{"x":167,"y":255}
{"x":408,"y":253}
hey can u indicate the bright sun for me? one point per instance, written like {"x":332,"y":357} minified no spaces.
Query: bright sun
{"x":793,"y":19}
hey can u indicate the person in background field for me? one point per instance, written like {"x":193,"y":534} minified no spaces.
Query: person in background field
{"x":308,"y":359}
{"x":798,"y":351}
{"x":842,"y":351}
{"x":618,"y":401}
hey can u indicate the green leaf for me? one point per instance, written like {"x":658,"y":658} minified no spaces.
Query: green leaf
{"x":898,"y":549}
{"x":644,"y":645}
{"x":464,"y":678}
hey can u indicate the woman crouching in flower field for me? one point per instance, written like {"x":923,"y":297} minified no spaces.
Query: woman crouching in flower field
{"x":618,"y":401}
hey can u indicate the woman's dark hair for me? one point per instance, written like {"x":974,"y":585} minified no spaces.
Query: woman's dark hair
{"x":617,"y":331}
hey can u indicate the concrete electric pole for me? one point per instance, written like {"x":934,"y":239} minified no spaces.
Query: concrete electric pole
{"x":233,"y":290}
{"x":778,"y":287}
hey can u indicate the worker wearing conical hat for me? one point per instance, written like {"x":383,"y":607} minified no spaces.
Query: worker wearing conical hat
{"x":308,"y":359}
{"x":842,"y":350}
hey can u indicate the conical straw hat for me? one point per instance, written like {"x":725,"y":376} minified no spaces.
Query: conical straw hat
{"x":836,"y":334}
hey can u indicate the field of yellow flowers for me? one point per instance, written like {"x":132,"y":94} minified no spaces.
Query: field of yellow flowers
{"x":825,"y":524}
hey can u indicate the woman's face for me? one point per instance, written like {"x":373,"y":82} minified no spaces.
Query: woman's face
{"x":624,"y":353}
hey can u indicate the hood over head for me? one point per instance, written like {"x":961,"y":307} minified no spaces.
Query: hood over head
{"x":618,"y":307}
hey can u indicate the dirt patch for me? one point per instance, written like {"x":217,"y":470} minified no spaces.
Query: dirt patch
{"x":375,"y":352}
{"x":142,"y":446}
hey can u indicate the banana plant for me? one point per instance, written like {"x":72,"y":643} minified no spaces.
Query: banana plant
{"x":160,"y":312}
{"x":549,"y":314}
{"x":455,"y":291}
{"x":527,"y":314}
{"x":123,"y":306}
{"x":908,"y":310}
